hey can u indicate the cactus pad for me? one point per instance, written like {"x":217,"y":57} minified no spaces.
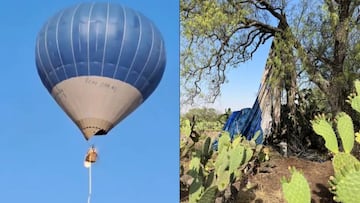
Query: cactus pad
{"x":345,"y":129}
{"x":357,"y":137}
{"x":357,"y":86}
{"x":346,"y":185}
{"x":185,"y":128}
{"x":354,"y":98}
{"x":323,"y":128}
{"x":296,"y":190}
{"x":342,"y":160}
{"x":209,"y":195}
{"x":355,"y":102}
{"x":236,"y":157}
{"x":207,"y":151}
{"x":223,"y":180}
{"x":224,"y":141}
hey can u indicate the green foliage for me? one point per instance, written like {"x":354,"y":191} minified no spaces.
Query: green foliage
{"x":213,"y":172}
{"x":210,"y":15}
{"x":206,"y":151}
{"x":296,"y":190}
{"x":185,"y":133}
{"x":341,"y":160}
{"x":354,"y":99}
{"x":196,"y":188}
{"x":231,"y":157}
{"x":203,"y":126}
{"x":195,"y":122}
{"x":201,"y":189}
{"x":202,"y":114}
{"x":345,"y":184}
{"x":223,"y":179}
{"x":185,"y":128}
{"x":204,"y":119}
{"x":357,"y":87}
{"x":324,"y":128}
{"x":224,"y":142}
{"x":209,"y":195}
{"x":345,"y":129}
{"x":236,"y":157}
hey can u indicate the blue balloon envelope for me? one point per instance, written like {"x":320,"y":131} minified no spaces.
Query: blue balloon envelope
{"x":99,"y":61}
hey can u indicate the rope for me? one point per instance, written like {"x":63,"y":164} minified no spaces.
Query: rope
{"x":90,"y":158}
{"x":89,"y":196}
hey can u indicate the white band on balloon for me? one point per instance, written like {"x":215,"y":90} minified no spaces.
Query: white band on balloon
{"x":111,"y":101}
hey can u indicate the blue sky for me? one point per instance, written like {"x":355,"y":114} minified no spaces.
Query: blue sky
{"x":43,"y":151}
{"x":243,"y":82}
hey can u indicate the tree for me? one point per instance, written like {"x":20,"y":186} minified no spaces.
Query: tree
{"x":315,"y":43}
{"x":205,"y":114}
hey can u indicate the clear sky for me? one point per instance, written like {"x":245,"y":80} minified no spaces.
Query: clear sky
{"x":42,"y":151}
{"x":244,"y":82}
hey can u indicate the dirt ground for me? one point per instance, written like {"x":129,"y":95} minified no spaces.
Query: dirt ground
{"x":267,"y":179}
{"x":268,"y":189}
{"x":267,"y":185}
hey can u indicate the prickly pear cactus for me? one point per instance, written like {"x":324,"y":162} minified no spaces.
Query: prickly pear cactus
{"x":354,"y":99}
{"x":185,"y":128}
{"x":206,"y":147}
{"x":224,"y":141}
{"x":357,"y":86}
{"x":342,"y":160}
{"x":236,"y":156}
{"x":223,"y":179}
{"x":222,"y":163}
{"x":345,"y":184}
{"x":231,"y":156}
{"x":345,"y":129}
{"x":211,"y":172}
{"x":355,"y":103}
{"x":196,"y":188}
{"x":209,"y":195}
{"x":207,"y":151}
{"x":357,"y":137}
{"x":323,"y":127}
{"x":297,"y":189}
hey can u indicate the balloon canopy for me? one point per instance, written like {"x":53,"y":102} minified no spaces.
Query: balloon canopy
{"x":99,"y":61}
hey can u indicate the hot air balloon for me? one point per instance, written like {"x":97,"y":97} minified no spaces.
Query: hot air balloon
{"x":99,"y":61}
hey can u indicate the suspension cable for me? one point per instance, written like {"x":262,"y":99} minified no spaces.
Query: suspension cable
{"x":90,"y":158}
{"x":89,"y":196}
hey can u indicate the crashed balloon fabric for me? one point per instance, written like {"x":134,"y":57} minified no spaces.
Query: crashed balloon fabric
{"x":99,"y":61}
{"x":246,"y":122}
{"x":259,"y":118}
